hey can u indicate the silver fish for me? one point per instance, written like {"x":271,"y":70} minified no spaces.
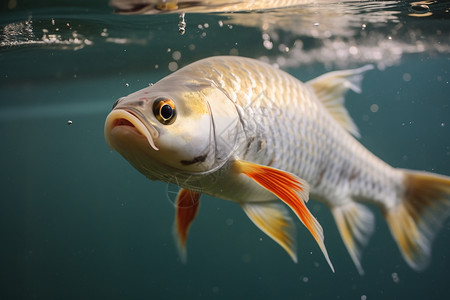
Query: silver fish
{"x":241,"y":130}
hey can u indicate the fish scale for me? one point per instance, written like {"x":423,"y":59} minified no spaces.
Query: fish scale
{"x":302,"y":116}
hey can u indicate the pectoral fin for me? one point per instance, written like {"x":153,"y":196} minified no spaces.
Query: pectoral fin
{"x":186,"y":209}
{"x":274,"y":220}
{"x":291,"y":190}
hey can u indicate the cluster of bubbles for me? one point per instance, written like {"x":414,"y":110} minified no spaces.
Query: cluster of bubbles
{"x":60,"y":36}
{"x":182,"y":24}
{"x":176,"y":56}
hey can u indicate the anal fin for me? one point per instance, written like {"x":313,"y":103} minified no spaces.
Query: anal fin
{"x":186,"y":209}
{"x":274,"y":220}
{"x":356,"y":224}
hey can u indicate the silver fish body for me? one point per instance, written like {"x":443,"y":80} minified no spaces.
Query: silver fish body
{"x":250,"y":133}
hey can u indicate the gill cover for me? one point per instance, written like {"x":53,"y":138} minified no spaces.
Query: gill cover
{"x":224,"y":123}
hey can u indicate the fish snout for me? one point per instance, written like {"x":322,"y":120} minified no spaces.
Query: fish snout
{"x":125,"y":119}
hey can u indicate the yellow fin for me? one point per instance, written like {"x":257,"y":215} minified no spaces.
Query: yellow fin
{"x":330,"y":89}
{"x":293,"y":191}
{"x":415,"y":220}
{"x":186,"y":210}
{"x":356,"y":224}
{"x":274,"y":220}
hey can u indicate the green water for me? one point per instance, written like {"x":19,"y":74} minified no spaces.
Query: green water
{"x":78,"y":222}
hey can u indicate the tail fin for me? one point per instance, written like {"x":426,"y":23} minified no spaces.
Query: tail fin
{"x":415,"y":221}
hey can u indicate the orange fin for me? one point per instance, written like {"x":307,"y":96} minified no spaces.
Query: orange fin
{"x":186,"y":209}
{"x":356,"y":224}
{"x":274,"y":220}
{"x":291,"y":190}
{"x":417,"y":217}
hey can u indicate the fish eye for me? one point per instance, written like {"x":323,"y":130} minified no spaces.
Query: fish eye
{"x":164,"y":110}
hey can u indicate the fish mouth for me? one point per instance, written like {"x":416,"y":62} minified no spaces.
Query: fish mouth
{"x":128,"y":120}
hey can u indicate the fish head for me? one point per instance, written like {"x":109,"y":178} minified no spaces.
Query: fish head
{"x":176,"y":125}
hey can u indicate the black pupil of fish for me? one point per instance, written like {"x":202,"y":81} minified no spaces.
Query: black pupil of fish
{"x":166,"y":111}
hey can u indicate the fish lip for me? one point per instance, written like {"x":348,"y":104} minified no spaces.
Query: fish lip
{"x":138,"y":123}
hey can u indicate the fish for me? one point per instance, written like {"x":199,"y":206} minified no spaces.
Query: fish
{"x":201,"y":6}
{"x":242,"y":130}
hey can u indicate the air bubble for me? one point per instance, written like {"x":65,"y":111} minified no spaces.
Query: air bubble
{"x":104,"y":32}
{"x":268,"y":45}
{"x":173,"y":66}
{"x":182,"y":24}
{"x":127,"y":84}
{"x":176,"y":55}
{"x":395,"y":277}
{"x":374,"y":108}
{"x":406,"y":77}
{"x":283,"y":48}
{"x":353,"y":50}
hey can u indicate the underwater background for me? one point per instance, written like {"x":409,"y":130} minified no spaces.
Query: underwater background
{"x":77,"y":221}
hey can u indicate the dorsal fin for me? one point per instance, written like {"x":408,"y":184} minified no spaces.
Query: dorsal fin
{"x":330,"y":89}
